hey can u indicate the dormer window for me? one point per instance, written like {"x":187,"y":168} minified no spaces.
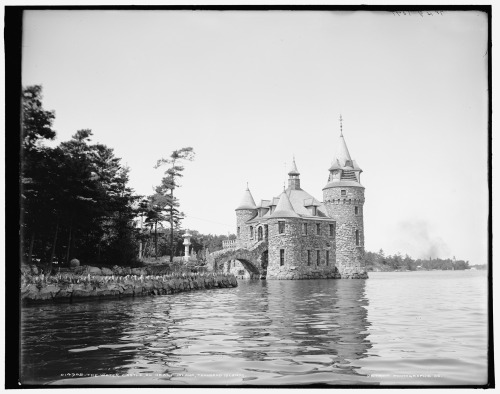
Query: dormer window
{"x":314,"y":210}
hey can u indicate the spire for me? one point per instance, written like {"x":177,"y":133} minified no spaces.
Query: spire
{"x":284,"y":208}
{"x":293,"y":169}
{"x":343,"y":156}
{"x":247,"y":202}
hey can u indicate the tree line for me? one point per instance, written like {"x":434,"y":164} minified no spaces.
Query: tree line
{"x":378,"y":261}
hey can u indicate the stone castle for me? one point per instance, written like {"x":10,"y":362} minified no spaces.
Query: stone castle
{"x":295,"y":236}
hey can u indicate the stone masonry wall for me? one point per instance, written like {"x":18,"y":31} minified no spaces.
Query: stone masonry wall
{"x":296,"y":246}
{"x":350,"y":257}
{"x":242,"y":215}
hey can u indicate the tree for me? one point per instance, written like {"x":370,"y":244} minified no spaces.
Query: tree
{"x":36,"y":165}
{"x":168,"y":185}
{"x":37,"y":122}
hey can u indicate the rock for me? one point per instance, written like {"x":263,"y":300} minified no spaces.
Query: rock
{"x":25,"y":269}
{"x":117,"y":270}
{"x":126,"y":271}
{"x":138,"y":271}
{"x":94,"y":271}
{"x":34,"y":269}
{"x":106,"y":271}
{"x":29,"y":292}
{"x":74,"y":263}
{"x":48,"y":292}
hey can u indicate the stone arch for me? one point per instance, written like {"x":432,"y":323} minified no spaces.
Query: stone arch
{"x":250,"y":258}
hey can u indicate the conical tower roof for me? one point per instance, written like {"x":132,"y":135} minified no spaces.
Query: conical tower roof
{"x":293,"y":169}
{"x":284,"y":208}
{"x":343,"y":155}
{"x":247,"y":202}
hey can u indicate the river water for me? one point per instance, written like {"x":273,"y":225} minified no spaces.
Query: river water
{"x":396,"y":328}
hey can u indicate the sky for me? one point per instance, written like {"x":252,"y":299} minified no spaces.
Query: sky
{"x":251,"y":90}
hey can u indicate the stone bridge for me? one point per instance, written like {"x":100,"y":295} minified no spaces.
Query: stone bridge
{"x":253,"y":258}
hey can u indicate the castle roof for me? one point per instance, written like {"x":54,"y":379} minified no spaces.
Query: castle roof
{"x":343,"y":156}
{"x":343,"y":183}
{"x":284,"y":208}
{"x":355,"y":166}
{"x":335,"y":165}
{"x":300,"y":199}
{"x":293,"y":169}
{"x":247,"y":202}
{"x":264,"y":204}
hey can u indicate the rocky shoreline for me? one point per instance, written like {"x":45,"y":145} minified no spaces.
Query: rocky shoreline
{"x":69,"y":287}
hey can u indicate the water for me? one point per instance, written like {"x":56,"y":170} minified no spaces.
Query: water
{"x":415,"y":328}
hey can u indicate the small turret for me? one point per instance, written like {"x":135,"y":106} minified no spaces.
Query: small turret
{"x":294,"y":180}
{"x":245,"y":211}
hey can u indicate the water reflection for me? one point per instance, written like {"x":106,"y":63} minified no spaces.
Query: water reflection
{"x":263,"y":332}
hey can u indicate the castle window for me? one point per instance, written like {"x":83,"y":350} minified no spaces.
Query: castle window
{"x":327,"y":257}
{"x":238,"y":232}
{"x":314,"y":211}
{"x":318,"y":228}
{"x":259,"y":233}
{"x":282,"y":257}
{"x":308,"y":257}
{"x":281,"y":227}
{"x":332,"y":230}
{"x":357,"y":237}
{"x":317,"y":257}
{"x":251,"y":232}
{"x":266,"y":231}
{"x":356,"y":210}
{"x":304,"y":229}
{"x":343,"y":193}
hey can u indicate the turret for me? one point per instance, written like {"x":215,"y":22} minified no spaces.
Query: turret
{"x":293,"y":177}
{"x":245,"y":211}
{"x":343,"y":198}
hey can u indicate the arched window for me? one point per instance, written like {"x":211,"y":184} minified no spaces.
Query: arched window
{"x":259,"y":233}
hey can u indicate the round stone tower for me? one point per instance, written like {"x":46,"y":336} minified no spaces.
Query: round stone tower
{"x":245,"y":211}
{"x":343,"y":198}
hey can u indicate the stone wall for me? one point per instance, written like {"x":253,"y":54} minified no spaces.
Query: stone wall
{"x":243,"y":215}
{"x":350,"y":257}
{"x":296,"y":245}
{"x":73,"y":287}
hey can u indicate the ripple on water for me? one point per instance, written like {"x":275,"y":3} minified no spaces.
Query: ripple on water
{"x":270,"y":333}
